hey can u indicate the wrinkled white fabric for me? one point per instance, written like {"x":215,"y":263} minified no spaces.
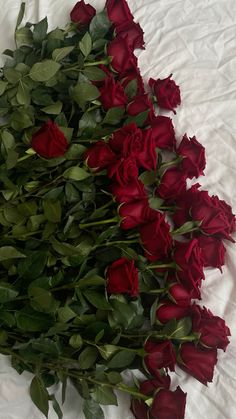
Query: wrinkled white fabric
{"x":196,"y":41}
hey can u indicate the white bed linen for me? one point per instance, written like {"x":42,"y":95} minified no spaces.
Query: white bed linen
{"x":196,"y":41}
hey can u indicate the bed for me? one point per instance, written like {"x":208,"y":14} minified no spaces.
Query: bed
{"x":196,"y":41}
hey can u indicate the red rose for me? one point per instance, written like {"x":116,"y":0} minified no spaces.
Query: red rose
{"x":129,"y":192}
{"x":133,"y":32}
{"x":156,"y":239}
{"x":168,"y":404}
{"x":82,"y":13}
{"x":198,"y":362}
{"x":159,"y":355}
{"x":122,"y":277}
{"x":166,"y":92}
{"x":141,"y":104}
{"x":149,"y":387}
{"x":183,"y":205}
{"x":213,"y":251}
{"x":123,"y":170}
{"x":163,"y":132}
{"x":99,"y":156}
{"x":123,"y":58}
{"x":227,"y":211}
{"x":179,"y":295}
{"x":127,"y":140}
{"x":135,"y":213}
{"x":112,"y":94}
{"x":173,"y":184}
{"x":193,"y":154}
{"x":49,"y":141}
{"x":188,"y":257}
{"x":213,"y":330}
{"x":139,"y":409}
{"x":168,"y":311}
{"x":147,"y":157}
{"x":118,"y":11}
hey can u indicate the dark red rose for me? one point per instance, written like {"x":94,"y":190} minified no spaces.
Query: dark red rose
{"x":188,"y":257}
{"x":173,"y":184}
{"x":168,"y":404}
{"x":179,"y":295}
{"x":213,"y":330}
{"x":159,"y":355}
{"x":213,"y":251}
{"x":139,"y":409}
{"x":133,"y":74}
{"x":123,"y":170}
{"x":99,"y":156}
{"x":129,"y":192}
{"x":168,"y":311}
{"x":163,"y":132}
{"x":122,"y":277}
{"x":133,"y":32}
{"x":149,"y":387}
{"x":147,"y":157}
{"x":118,"y":11}
{"x":166,"y":92}
{"x":227,"y":211}
{"x":135,"y":213}
{"x":141,"y":104}
{"x":193,"y":154}
{"x":112,"y":94}
{"x":198,"y":362}
{"x":156,"y":239}
{"x":183,"y":205}
{"x":49,"y":141}
{"x":123,"y":58}
{"x":82,"y":13}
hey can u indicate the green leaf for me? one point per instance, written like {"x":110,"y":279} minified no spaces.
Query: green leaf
{"x":104,"y":395}
{"x":85,"y":92}
{"x":148,"y":177}
{"x":131,"y":89}
{"x":56,"y":407}
{"x":33,"y":265}
{"x":75,"y":151}
{"x":24,"y":36}
{"x":40,"y":31}
{"x":23,"y":94}
{"x":20,"y":15}
{"x":94,"y":73}
{"x":39,"y":395}
{"x":54,"y":109}
{"x":22,"y":118}
{"x":7,"y":292}
{"x":97,"y":299}
{"x":52,"y":210}
{"x":44,"y":71}
{"x":93,"y":280}
{"x":114,"y":377}
{"x":46,"y":346}
{"x":3,"y":86}
{"x":99,"y":26}
{"x":76,"y":173}
{"x":114,"y":116}
{"x":12,"y":75}
{"x":9,"y":252}
{"x":60,"y":53}
{"x":138,"y":119}
{"x":155,"y":203}
{"x":87,"y":358}
{"x":76,"y":341}
{"x":42,"y":300}
{"x":92,"y":410}
{"x":30,"y":320}
{"x":121,"y":359}
{"x":86,"y":44}
{"x":183,"y":328}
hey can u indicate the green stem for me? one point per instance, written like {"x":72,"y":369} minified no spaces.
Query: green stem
{"x":169,"y":164}
{"x":179,"y":231}
{"x":117,"y":242}
{"x":162,"y":265}
{"x":97,"y":223}
{"x":106,"y":61}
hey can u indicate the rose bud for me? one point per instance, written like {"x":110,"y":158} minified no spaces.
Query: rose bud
{"x":141,"y":104}
{"x":135,"y":213}
{"x":167,"y":311}
{"x":123,"y":170}
{"x":159,"y":355}
{"x":49,"y":141}
{"x":198,"y":362}
{"x":179,"y":295}
{"x":213,"y":330}
{"x":139,"y":409}
{"x":122,"y":277}
{"x":149,"y":387}
{"x":133,"y":32}
{"x":213,"y":251}
{"x":123,"y":58}
{"x":129,"y":192}
{"x":166,"y":92}
{"x":173,"y":183}
{"x":118,"y":11}
{"x":163,"y":132}
{"x":188,"y":257}
{"x":99,"y":156}
{"x":112,"y":94}
{"x":155,"y":237}
{"x":82,"y":13}
{"x":168,"y":404}
{"x":193,"y":154}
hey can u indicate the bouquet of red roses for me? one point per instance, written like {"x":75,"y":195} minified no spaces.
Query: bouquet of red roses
{"x":103,"y":244}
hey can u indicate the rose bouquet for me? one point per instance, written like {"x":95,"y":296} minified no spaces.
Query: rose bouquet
{"x":103,"y":242}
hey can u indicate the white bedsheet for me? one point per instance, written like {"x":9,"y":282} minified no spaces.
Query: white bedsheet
{"x":196,"y":41}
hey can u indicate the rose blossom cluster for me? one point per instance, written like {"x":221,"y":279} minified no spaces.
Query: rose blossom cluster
{"x":203,"y":221}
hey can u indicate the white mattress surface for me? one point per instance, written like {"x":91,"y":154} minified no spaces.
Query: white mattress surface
{"x":196,"y":41}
